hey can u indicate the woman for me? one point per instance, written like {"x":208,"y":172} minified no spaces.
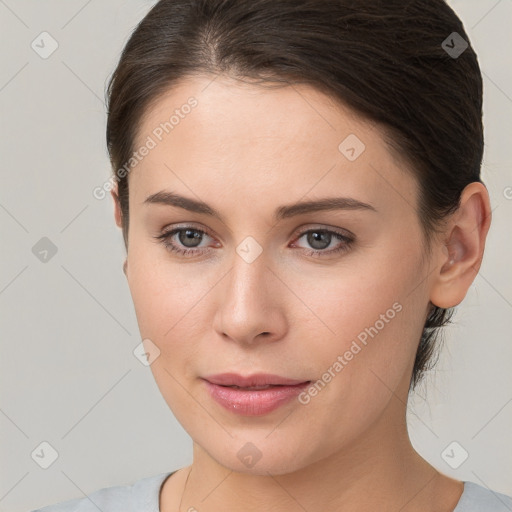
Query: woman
{"x":298,"y":187}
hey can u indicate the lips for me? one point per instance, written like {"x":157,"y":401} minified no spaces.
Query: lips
{"x":254,"y":395}
{"x":255,"y":381}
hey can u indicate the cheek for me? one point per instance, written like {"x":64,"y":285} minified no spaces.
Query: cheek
{"x":366,"y":364}
{"x":371,"y":320}
{"x":170,"y":313}
{"x":172,"y":305}
{"x":348,"y":301}
{"x":166,"y":304}
{"x":161,"y":291}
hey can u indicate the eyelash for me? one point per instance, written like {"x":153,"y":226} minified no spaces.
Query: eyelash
{"x":165,"y":238}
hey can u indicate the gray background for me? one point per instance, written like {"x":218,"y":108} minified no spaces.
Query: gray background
{"x":68,"y":374}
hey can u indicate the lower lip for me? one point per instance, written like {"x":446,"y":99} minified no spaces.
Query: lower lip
{"x":255,"y":402}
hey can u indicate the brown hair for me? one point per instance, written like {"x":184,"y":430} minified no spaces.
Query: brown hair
{"x":389,"y":60}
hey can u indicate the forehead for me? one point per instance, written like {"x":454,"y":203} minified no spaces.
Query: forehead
{"x":223,"y":134}
{"x":248,"y":111}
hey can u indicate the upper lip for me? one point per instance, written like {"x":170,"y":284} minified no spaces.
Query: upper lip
{"x":257,"y":379}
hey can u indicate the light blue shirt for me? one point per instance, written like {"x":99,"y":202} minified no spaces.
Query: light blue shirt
{"x":143,"y":496}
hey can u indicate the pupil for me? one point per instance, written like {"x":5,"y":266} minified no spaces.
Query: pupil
{"x":189,"y":235}
{"x":319,"y":239}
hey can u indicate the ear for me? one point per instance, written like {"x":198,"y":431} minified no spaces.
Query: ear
{"x":117,"y":206}
{"x":460,"y":255}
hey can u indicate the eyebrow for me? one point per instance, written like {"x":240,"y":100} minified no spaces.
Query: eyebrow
{"x":283,"y":212}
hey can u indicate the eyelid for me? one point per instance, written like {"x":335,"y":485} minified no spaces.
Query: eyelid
{"x":317,"y":227}
{"x":179,"y":227}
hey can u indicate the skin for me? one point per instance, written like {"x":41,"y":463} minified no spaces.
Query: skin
{"x":246,"y":150}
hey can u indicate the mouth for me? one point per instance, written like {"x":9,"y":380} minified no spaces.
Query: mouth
{"x":249,"y":399}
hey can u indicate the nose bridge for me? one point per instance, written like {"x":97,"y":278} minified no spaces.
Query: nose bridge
{"x":249,"y":269}
{"x":249,"y":306}
{"x":247,"y":286}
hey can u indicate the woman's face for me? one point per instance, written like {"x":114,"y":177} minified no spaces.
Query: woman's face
{"x":269,"y":287}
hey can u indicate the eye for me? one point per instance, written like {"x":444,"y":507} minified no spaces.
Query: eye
{"x":184,"y":240}
{"x":187,"y":240}
{"x":321,"y":239}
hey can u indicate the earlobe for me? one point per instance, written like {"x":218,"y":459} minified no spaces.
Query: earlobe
{"x":460,"y":256}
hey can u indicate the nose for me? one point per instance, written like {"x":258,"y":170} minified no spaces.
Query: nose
{"x":250,"y":308}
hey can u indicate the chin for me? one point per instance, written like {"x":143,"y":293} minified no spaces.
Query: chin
{"x":261,"y":456}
